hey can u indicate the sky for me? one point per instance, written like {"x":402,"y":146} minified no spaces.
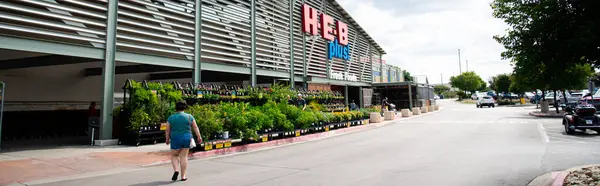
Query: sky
{"x":423,"y":36}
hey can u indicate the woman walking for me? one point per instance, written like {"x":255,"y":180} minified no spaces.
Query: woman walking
{"x":179,"y":136}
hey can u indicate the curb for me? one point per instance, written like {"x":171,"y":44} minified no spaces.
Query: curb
{"x":555,"y":178}
{"x":287,"y":141}
{"x":544,"y":116}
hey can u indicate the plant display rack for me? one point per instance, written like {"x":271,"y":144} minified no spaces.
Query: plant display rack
{"x":146,"y":106}
{"x":229,"y":115}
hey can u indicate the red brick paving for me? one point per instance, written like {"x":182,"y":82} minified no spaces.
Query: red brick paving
{"x":13,"y":171}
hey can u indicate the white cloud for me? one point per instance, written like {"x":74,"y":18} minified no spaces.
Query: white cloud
{"x":423,"y":36}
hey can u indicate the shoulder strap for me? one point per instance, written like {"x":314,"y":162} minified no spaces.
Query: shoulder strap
{"x":189,"y":119}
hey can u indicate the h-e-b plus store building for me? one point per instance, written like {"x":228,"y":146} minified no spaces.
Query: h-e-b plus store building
{"x":57,"y":56}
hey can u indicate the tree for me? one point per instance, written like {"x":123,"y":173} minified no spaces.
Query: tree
{"x":562,"y":31}
{"x":501,"y":83}
{"x":467,"y":81}
{"x":407,"y":76}
{"x":439,"y":89}
{"x":515,"y":87}
{"x":552,"y":44}
{"x":483,"y":86}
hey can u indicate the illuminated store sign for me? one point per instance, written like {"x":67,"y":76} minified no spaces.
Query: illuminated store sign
{"x":337,"y":40}
{"x":344,"y":76}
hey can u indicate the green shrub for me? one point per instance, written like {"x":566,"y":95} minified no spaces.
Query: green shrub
{"x":208,"y":120}
{"x":280,"y":121}
{"x":304,"y":120}
{"x":462,"y":95}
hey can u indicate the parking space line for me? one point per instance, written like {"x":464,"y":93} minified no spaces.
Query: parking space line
{"x":543,"y":132}
{"x":565,"y":139}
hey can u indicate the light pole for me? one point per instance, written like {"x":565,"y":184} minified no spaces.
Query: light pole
{"x":459,"y":65}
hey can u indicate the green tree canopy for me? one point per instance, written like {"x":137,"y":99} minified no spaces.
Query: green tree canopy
{"x":483,"y":86}
{"x":550,"y":43}
{"x":501,"y":83}
{"x":439,"y":89}
{"x":516,"y":87}
{"x":407,"y":76}
{"x":467,"y":81}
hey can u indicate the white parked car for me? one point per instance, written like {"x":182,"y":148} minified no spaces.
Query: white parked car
{"x":486,"y":101}
{"x":436,"y":97}
{"x":474,"y":96}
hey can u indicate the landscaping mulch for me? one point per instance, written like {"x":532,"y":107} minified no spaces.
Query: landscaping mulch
{"x":551,"y":114}
{"x":584,"y":176}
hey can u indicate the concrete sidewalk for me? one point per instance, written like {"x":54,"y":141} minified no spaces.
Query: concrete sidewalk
{"x":23,"y":166}
{"x":48,"y":165}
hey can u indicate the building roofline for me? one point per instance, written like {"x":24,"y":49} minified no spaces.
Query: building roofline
{"x":359,"y":28}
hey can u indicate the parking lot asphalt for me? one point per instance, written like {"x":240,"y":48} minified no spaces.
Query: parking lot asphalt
{"x":460,"y":145}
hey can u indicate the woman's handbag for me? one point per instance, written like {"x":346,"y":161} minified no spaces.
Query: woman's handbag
{"x":192,"y":141}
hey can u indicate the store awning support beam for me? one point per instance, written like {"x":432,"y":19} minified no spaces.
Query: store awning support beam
{"x":109,"y":71}
{"x":42,"y":61}
{"x":197,"y":42}
{"x":131,"y":69}
{"x":291,"y":17}
{"x":253,"y":42}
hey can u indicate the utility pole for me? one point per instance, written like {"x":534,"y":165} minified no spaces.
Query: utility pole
{"x":459,"y":65}
{"x":442,"y":78}
{"x":467,"y":65}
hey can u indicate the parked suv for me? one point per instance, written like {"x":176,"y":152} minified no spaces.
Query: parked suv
{"x":486,"y":101}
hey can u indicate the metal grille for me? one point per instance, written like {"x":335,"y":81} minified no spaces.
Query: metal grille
{"x":71,"y":22}
{"x":365,"y":65}
{"x":166,"y":28}
{"x":272,"y":36}
{"x":157,"y":27}
{"x":226,"y":31}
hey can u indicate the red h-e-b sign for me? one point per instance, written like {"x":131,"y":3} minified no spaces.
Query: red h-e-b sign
{"x":310,"y":24}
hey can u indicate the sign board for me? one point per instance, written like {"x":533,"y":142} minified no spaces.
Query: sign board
{"x":337,"y":39}
{"x":208,"y":146}
{"x":219,"y":145}
{"x":344,"y":76}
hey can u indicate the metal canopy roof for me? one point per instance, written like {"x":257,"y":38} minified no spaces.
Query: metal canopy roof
{"x":360,"y":29}
{"x":400,"y":84}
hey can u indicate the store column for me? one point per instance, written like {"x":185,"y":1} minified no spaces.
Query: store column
{"x":108,"y":71}
{"x":410,"y":100}
{"x":253,"y":42}
{"x":346,"y":95}
{"x":291,"y":19}
{"x":197,"y":42}
{"x":361,"y":103}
